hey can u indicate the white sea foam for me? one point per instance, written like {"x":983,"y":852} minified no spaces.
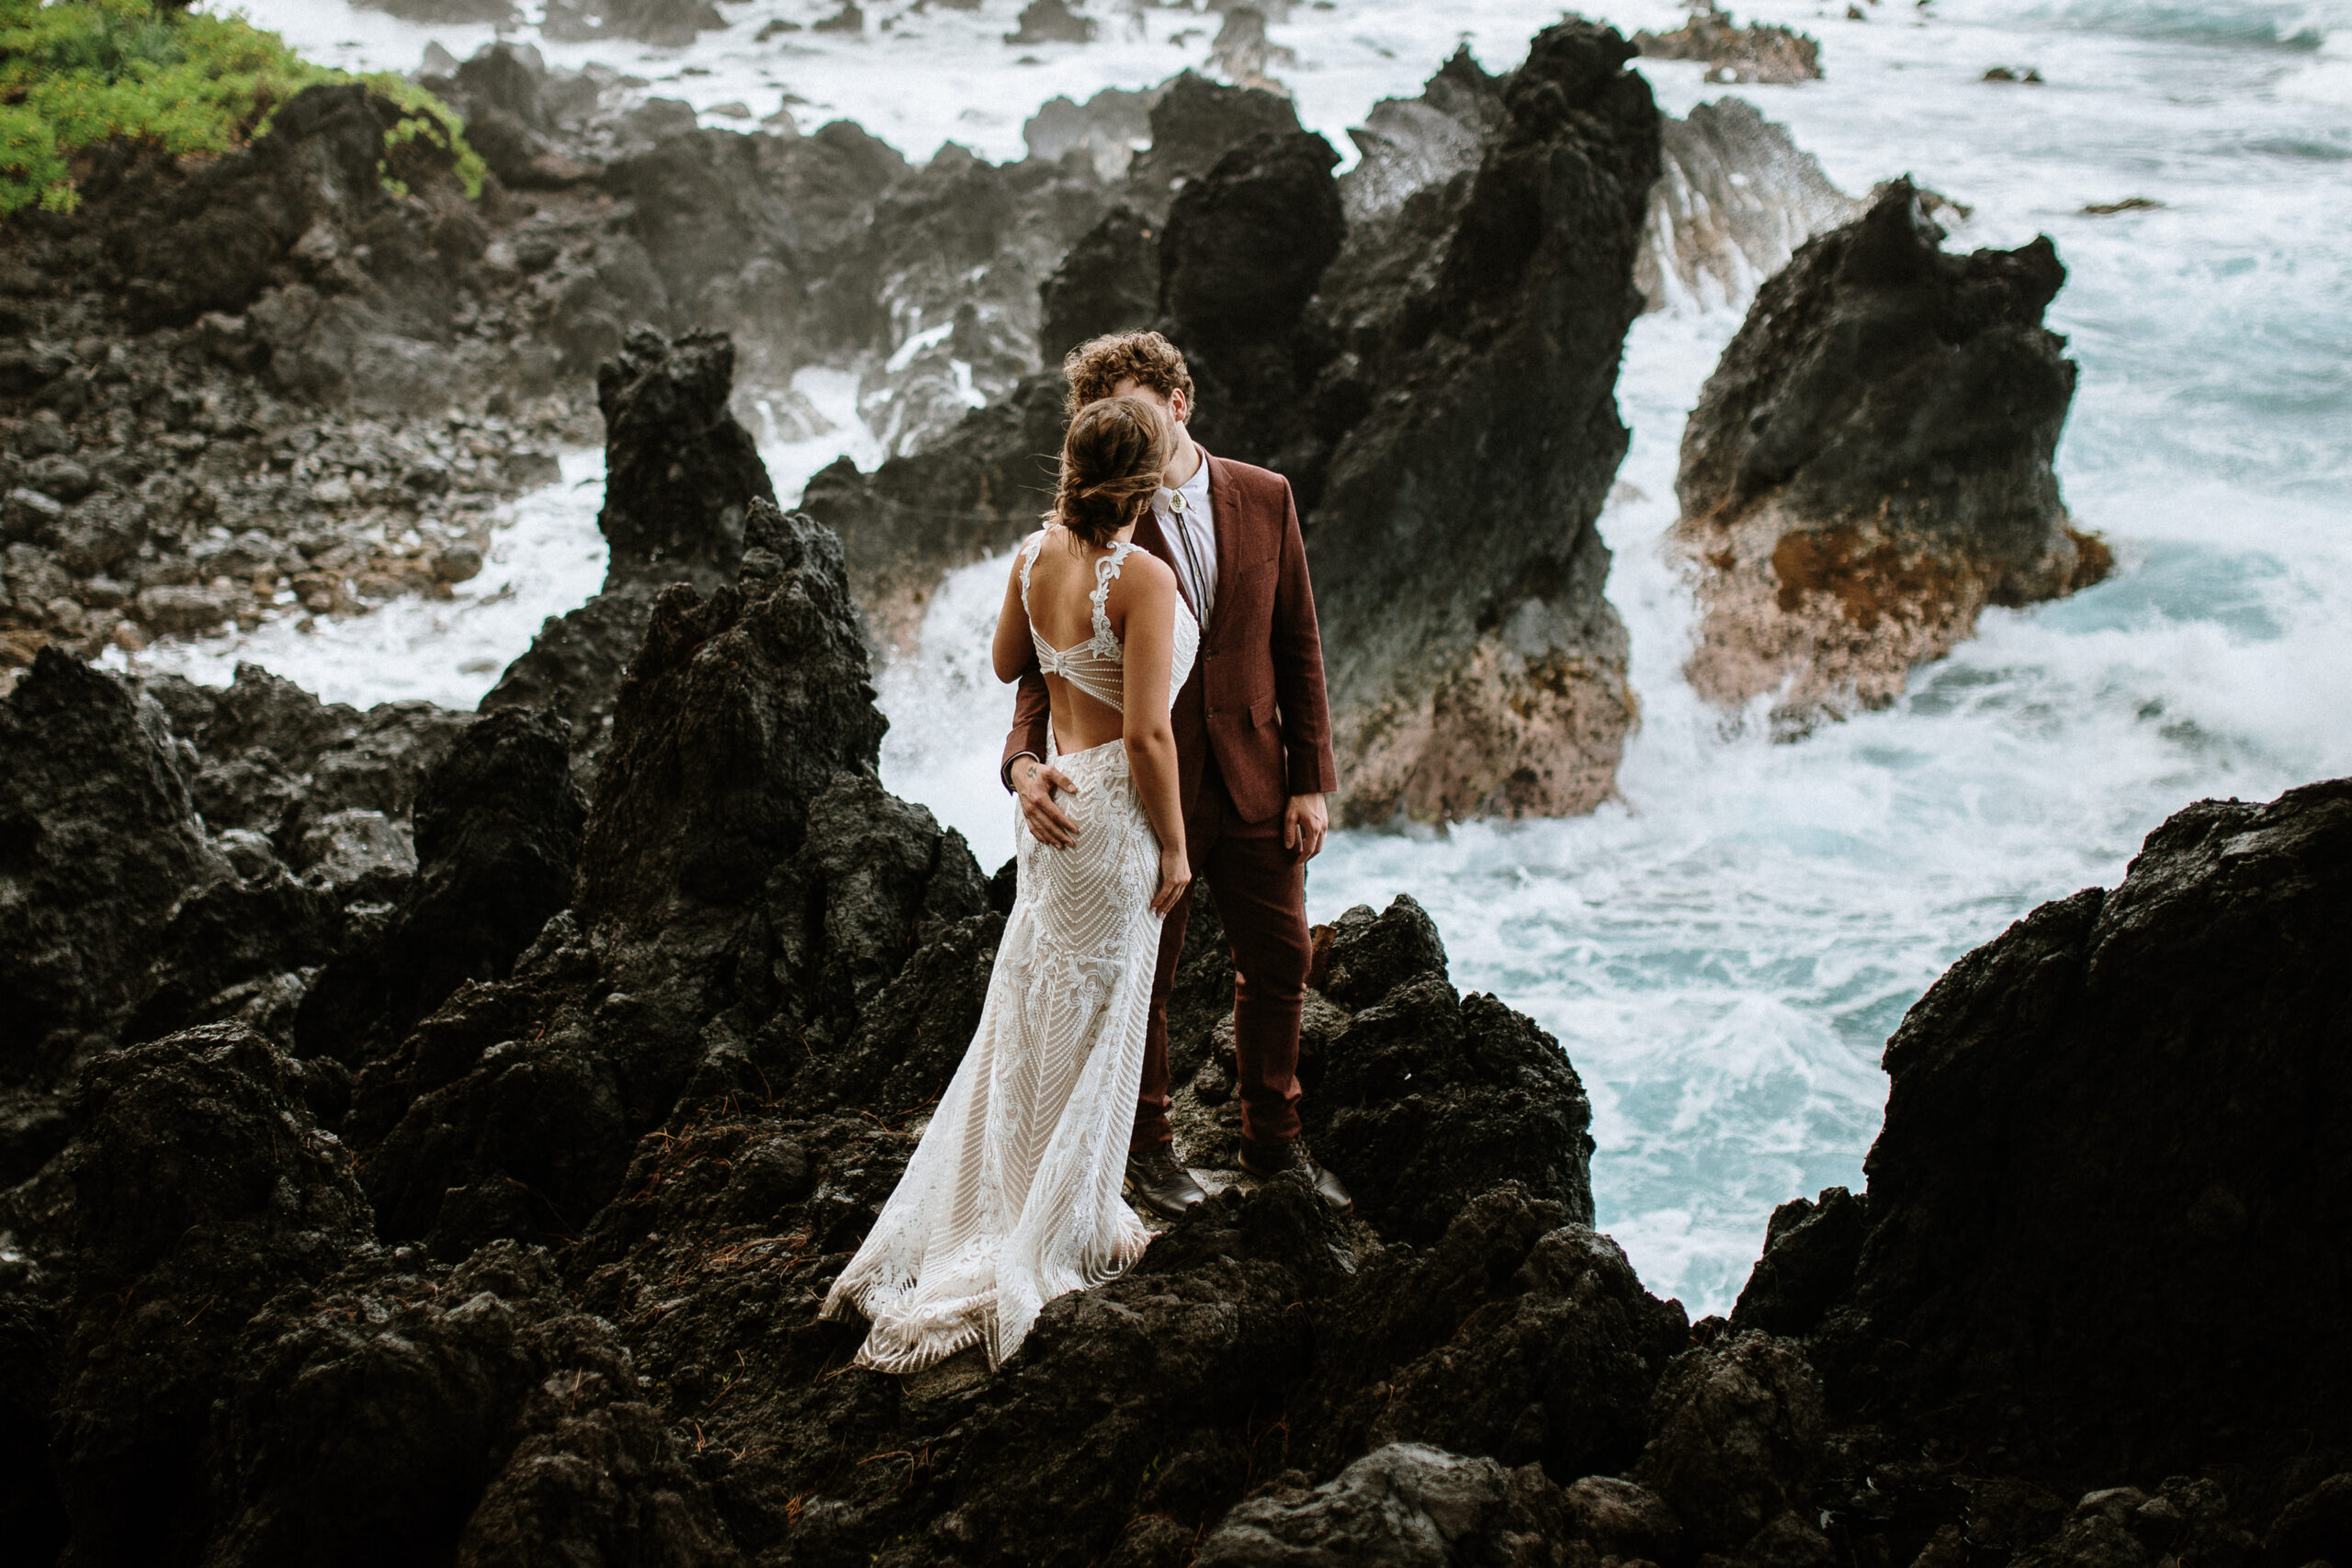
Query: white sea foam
{"x":2328,"y":79}
{"x":826,"y":405}
{"x":545,"y":556}
{"x":1724,"y":953}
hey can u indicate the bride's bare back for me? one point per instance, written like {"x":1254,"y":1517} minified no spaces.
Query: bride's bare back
{"x":1142,"y":605}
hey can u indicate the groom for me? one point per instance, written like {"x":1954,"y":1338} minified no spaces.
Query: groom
{"x":1253,"y":752}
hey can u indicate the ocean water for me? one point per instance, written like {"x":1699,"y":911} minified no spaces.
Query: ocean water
{"x":1724,"y":951}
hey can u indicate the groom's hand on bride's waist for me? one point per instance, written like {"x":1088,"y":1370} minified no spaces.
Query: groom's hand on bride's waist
{"x":1036,"y":785}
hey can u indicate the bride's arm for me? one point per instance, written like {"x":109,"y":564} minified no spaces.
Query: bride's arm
{"x":1148,"y":590}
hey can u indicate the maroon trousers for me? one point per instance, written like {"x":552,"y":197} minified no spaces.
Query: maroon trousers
{"x":1261,"y":891}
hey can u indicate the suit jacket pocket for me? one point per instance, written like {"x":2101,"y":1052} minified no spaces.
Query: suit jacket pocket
{"x":1261,"y":712}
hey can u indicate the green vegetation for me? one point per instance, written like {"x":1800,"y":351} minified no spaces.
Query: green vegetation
{"x":76,"y":72}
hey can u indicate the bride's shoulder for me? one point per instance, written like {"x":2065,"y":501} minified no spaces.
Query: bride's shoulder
{"x":1147,"y":571}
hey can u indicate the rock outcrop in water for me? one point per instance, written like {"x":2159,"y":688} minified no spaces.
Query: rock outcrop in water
{"x":681,"y":477}
{"x":2101,"y":1254}
{"x":1407,"y":346}
{"x":1478,"y":351}
{"x":1870,"y":466}
{"x":1761,"y":52}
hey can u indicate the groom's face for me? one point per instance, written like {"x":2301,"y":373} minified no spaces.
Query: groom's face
{"x":1181,"y":462}
{"x":1173,"y":404}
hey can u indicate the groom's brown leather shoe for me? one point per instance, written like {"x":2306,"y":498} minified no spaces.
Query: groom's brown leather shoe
{"x":1160,"y":1184}
{"x":1267,"y":1160}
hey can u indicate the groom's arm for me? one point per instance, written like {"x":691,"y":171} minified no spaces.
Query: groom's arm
{"x":1032,"y":712}
{"x":1298,"y":668}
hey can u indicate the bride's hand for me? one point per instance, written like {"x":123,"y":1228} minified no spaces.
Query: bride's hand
{"x":1175,"y":880}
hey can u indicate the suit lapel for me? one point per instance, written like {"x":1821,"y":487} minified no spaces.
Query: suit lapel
{"x":1225,"y":519}
{"x":1149,"y":536}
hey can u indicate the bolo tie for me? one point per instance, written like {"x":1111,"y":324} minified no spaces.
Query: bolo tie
{"x":1177,"y":510}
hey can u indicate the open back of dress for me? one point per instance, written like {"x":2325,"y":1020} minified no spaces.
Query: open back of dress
{"x":1099,"y":665}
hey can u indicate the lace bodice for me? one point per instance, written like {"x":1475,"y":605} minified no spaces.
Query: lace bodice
{"x":1099,"y":665}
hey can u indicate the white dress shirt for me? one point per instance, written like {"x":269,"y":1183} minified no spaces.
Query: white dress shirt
{"x":1191,"y":528}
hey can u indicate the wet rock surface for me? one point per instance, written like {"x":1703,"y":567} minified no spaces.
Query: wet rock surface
{"x":1870,"y":466}
{"x":1736,"y":199}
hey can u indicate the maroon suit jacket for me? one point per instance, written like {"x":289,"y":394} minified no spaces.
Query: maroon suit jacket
{"x":1255,"y":698}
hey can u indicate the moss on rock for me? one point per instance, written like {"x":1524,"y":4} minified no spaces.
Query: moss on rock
{"x":75,"y":73}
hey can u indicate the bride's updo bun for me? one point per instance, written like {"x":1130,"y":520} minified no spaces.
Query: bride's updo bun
{"x":1112,"y":461}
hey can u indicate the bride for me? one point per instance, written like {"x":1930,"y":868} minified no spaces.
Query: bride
{"x":1012,"y":1197}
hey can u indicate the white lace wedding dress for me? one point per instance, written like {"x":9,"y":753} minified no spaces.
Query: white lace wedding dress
{"x":1012,"y":1197}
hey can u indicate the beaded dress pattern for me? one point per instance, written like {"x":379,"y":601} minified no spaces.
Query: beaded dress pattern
{"x":1013,"y":1196}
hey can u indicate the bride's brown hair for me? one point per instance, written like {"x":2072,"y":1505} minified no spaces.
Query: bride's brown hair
{"x":1111,"y":460}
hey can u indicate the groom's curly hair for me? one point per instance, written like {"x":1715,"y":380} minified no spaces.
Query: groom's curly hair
{"x":1096,"y":366}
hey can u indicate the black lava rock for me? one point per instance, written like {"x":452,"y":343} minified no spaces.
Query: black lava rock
{"x":681,"y":477}
{"x":1194,"y":123}
{"x":498,"y":826}
{"x":98,"y":844}
{"x":1738,"y":1432}
{"x":197,"y":1187}
{"x":1810,"y":1251}
{"x":2101,"y":1127}
{"x":399,"y":1413}
{"x":680,"y":471}
{"x":1426,"y":1097}
{"x":1104,"y":285}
